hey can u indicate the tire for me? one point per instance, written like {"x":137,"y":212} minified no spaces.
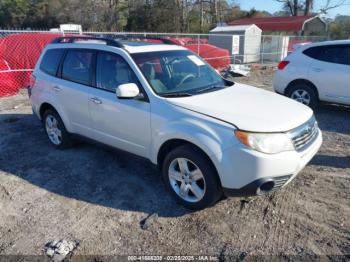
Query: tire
{"x":210,"y":189}
{"x":57,"y":133}
{"x":301,"y":91}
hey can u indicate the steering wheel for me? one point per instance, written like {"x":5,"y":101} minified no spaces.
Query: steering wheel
{"x":186,"y":78}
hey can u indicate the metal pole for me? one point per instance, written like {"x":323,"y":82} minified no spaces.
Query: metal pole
{"x":262,"y":50}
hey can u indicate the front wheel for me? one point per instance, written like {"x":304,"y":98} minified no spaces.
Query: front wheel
{"x":191,"y":178}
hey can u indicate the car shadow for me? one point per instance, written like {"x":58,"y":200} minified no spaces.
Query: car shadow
{"x":106,"y":177}
{"x":86,"y":172}
{"x":334,"y":118}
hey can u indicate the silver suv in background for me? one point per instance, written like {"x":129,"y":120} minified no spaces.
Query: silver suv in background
{"x":316,"y":72}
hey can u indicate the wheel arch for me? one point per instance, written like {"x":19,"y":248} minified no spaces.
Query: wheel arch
{"x":173,"y":143}
{"x":301,"y":81}
{"x":48,"y":105}
{"x":44,"y":107}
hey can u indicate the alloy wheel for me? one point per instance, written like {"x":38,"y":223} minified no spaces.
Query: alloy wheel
{"x":187,"y":180}
{"x":52,"y":129}
{"x":301,"y":96}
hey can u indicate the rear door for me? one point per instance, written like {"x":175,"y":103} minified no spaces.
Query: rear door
{"x":122,"y":123}
{"x":76,"y":74}
{"x":330,"y":72}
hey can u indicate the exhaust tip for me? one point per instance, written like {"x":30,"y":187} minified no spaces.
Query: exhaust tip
{"x":265,"y":187}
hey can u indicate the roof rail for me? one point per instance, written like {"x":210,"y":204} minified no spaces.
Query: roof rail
{"x":73,"y":39}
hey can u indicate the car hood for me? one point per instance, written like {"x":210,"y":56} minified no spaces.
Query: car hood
{"x":248,"y":108}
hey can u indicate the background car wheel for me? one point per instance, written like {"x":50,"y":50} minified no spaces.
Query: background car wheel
{"x":55,"y":130}
{"x":304,"y":94}
{"x":191,"y":178}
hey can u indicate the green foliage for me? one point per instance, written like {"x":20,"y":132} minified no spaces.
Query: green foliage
{"x":25,"y":14}
{"x":13,"y":12}
{"x":119,"y":15}
{"x":340,"y":27}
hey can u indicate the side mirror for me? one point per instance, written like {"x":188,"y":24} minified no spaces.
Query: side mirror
{"x":129,"y":90}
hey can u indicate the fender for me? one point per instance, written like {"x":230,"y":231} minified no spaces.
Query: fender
{"x":202,"y":134}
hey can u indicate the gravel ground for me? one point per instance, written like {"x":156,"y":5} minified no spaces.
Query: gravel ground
{"x":100,"y":199}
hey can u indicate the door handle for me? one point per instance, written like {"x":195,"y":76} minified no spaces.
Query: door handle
{"x":95,"y":100}
{"x":57,"y":88}
{"x":317,"y":70}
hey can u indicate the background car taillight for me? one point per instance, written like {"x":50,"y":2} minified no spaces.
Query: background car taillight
{"x":282,"y":65}
{"x":31,"y":84}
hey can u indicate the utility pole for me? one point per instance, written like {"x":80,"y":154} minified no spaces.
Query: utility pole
{"x":216,"y":13}
{"x":202,"y":16}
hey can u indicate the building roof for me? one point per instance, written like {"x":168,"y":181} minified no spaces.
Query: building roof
{"x":277,"y":23}
{"x":232,"y":28}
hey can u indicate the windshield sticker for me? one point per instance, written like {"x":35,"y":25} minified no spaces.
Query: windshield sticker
{"x":196,"y":60}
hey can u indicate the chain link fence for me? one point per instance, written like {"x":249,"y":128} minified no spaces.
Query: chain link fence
{"x":20,"y":50}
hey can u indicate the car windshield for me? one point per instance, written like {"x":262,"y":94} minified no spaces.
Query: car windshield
{"x":178,"y":73}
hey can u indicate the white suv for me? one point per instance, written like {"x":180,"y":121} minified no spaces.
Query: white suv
{"x":208,"y":135}
{"x":316,"y":72}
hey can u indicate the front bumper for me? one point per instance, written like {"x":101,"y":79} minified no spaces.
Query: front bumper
{"x":243,"y":171}
{"x":259,"y":186}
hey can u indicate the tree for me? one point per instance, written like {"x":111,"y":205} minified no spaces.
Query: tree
{"x":309,"y":4}
{"x":13,"y":12}
{"x":306,"y":7}
{"x":339,"y":28}
{"x":294,"y":6}
{"x":26,"y":14}
{"x":333,"y":4}
{"x":119,"y":15}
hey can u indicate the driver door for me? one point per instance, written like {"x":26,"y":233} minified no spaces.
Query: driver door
{"x":122,"y":123}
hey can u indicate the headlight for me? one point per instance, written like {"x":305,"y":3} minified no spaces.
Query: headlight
{"x":270,"y":143}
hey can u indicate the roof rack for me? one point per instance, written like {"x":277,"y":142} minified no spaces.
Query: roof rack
{"x":73,"y":39}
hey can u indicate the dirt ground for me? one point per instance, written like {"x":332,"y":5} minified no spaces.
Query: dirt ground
{"x":99,"y":197}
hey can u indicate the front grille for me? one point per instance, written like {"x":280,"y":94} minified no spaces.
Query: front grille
{"x":305,"y":134}
{"x":280,"y":181}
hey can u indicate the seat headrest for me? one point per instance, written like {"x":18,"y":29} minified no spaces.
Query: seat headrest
{"x":148,"y":70}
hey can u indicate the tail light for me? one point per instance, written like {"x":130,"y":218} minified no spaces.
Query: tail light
{"x":282,"y":65}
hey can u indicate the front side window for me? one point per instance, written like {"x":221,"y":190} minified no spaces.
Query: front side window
{"x":51,"y":61}
{"x":77,"y":66}
{"x":177,"y":73}
{"x":112,"y":70}
{"x":338,"y":54}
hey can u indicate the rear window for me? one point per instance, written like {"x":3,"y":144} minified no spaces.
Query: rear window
{"x":77,"y":66}
{"x":50,"y":62}
{"x":338,"y":54}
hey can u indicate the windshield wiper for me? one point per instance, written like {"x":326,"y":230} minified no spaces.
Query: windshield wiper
{"x":176,"y":94}
{"x":210,"y":88}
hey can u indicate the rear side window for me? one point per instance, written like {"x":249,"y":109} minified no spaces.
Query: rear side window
{"x":338,"y":54}
{"x":313,"y":52}
{"x":77,"y":66}
{"x":51,"y":60}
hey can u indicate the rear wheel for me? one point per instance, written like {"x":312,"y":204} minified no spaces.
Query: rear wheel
{"x":55,"y":130}
{"x":304,"y":94}
{"x":191,"y":178}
